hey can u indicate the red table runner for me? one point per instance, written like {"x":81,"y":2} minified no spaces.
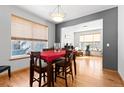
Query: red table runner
{"x":50,"y":55}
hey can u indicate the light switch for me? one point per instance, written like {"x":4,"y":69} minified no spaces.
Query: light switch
{"x":108,"y":45}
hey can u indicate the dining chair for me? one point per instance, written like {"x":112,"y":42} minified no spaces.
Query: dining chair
{"x":47,"y":49}
{"x":37,"y":65}
{"x":64,"y":67}
{"x":4,"y":68}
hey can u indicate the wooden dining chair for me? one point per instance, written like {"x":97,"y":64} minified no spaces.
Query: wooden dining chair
{"x":64,"y":67}
{"x":47,"y":49}
{"x":37,"y":65}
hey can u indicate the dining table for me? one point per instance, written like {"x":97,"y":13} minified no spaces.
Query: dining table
{"x":49,"y":57}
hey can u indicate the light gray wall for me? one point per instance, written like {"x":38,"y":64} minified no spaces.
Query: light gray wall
{"x":120,"y":40}
{"x":76,"y":39}
{"x":110,"y":35}
{"x":5,"y":34}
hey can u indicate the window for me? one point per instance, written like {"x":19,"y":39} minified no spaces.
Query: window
{"x":38,"y":46}
{"x":93,"y":39}
{"x":82,"y":38}
{"x":26,"y":36}
{"x":96,"y":37}
{"x":20,"y":47}
{"x":88,"y":38}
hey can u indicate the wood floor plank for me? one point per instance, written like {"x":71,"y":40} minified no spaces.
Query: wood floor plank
{"x":89,"y":74}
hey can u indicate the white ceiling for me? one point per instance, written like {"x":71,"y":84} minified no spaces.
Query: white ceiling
{"x":71,"y":11}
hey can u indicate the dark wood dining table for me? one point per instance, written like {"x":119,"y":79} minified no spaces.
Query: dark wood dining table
{"x":50,"y":56}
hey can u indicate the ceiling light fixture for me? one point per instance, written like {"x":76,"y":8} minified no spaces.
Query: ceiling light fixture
{"x":58,"y":14}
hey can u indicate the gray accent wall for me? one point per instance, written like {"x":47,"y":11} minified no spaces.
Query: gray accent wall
{"x":110,"y":34}
{"x":5,"y":34}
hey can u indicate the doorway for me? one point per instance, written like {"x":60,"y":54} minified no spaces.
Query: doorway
{"x":87,"y":38}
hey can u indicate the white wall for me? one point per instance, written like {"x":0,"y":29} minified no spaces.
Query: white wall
{"x":69,"y":32}
{"x":121,"y":40}
{"x":5,"y":34}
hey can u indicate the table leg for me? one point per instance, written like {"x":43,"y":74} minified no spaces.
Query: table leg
{"x":52,"y":76}
{"x":74,"y":58}
{"x":49,"y":74}
{"x":31,"y":75}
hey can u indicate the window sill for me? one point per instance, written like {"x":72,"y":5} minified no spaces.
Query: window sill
{"x":19,"y":57}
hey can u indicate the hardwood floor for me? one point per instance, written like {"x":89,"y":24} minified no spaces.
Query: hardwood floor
{"x":89,"y":74}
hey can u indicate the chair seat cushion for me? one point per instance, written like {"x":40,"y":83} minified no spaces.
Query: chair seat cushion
{"x":44,"y":64}
{"x":62,"y":64}
{"x":43,"y":69}
{"x":58,"y":60}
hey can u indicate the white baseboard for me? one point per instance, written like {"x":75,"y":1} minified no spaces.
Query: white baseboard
{"x":122,"y":79}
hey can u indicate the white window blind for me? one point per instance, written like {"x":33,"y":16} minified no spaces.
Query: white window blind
{"x":82,"y":38}
{"x":22,"y":28}
{"x":40,"y":32}
{"x":96,"y":37}
{"x":88,"y":38}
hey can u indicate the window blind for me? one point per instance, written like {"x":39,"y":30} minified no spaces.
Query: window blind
{"x":40,"y":32}
{"x":26,"y":29}
{"x":88,"y":38}
{"x":96,"y":37}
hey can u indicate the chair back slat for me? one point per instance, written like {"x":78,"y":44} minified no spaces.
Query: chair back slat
{"x":35,"y":59}
{"x":47,"y":49}
{"x":68,"y":56}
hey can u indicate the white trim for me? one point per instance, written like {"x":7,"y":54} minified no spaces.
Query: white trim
{"x":19,"y":56}
{"x":121,"y":75}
